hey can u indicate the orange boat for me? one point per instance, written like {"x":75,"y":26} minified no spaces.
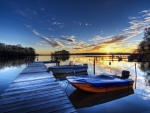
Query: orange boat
{"x":99,"y":83}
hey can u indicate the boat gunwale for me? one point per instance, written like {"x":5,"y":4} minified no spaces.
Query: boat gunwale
{"x":91,"y":88}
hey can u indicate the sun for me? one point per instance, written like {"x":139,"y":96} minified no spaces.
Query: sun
{"x":108,"y":50}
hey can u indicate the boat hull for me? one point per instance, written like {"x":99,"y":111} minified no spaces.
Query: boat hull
{"x":83,"y":83}
{"x":62,"y":76}
{"x":91,"y":88}
{"x":68,"y":69}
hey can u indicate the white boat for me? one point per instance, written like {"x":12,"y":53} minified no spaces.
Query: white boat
{"x":62,"y":76}
{"x":68,"y":69}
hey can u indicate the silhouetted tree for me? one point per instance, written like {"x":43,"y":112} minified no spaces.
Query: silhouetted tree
{"x":144,"y":46}
{"x":15,"y":50}
{"x":62,"y":52}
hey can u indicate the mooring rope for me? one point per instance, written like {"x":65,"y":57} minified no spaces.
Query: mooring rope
{"x":126,"y":69}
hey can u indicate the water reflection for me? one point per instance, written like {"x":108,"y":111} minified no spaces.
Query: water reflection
{"x":81,"y":99}
{"x":60,"y":57}
{"x":145,"y":67}
{"x":137,"y":102}
{"x":15,"y":62}
{"x":128,"y":104}
{"x":147,"y":80}
{"x":62,"y":76}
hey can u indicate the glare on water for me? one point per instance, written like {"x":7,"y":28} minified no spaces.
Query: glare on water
{"x":136,"y":102}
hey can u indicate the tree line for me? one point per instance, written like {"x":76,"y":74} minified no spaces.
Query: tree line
{"x":144,"y":46}
{"x":15,"y":50}
{"x":61,"y":52}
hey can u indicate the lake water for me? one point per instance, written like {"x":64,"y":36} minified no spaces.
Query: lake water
{"x":137,"y":100}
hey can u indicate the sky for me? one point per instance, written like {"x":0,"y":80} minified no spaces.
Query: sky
{"x":78,"y":26}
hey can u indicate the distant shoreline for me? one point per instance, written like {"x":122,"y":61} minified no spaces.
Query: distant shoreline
{"x":92,"y":54}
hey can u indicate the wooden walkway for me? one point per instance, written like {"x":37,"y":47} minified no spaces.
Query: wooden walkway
{"x":37,"y":91}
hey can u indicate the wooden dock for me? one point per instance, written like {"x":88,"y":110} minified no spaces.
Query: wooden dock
{"x":37,"y":91}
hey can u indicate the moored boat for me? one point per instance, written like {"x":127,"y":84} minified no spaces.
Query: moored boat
{"x":62,"y":76}
{"x":65,"y":69}
{"x":99,"y":83}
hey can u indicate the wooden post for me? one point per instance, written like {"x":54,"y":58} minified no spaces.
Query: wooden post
{"x":94,"y":66}
{"x":135,"y":76}
{"x":57,"y":63}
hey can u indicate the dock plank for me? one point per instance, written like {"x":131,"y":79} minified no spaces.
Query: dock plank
{"x":30,"y":90}
{"x":43,"y":107}
{"x":35,"y":90}
{"x":27,"y":83}
{"x":32,"y":76}
{"x":57,"y":108}
{"x":29,"y":95}
{"x":42,"y":84}
{"x":33,"y":101}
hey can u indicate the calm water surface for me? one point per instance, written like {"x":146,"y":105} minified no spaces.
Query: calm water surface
{"x":135,"y":101}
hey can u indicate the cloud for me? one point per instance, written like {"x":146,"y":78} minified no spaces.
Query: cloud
{"x":41,"y":43}
{"x":42,"y":9}
{"x":114,"y":40}
{"x":28,"y":14}
{"x":87,"y":24}
{"x":57,"y":23}
{"x":23,"y":14}
{"x":79,"y":23}
{"x":50,"y":29}
{"x":108,"y":41}
{"x":61,"y":25}
{"x":47,"y":41}
{"x":97,"y":38}
{"x":68,"y":39}
{"x":34,"y":12}
{"x":137,"y":26}
{"x":36,"y":33}
{"x":53,"y":43}
{"x":81,"y":46}
{"x":27,"y":9}
{"x":145,"y":11}
{"x":75,"y":22}
{"x":28,"y":26}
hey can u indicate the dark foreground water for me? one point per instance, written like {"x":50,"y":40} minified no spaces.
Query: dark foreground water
{"x":136,"y":100}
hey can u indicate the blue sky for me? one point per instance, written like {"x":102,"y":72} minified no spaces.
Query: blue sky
{"x":74,"y":25}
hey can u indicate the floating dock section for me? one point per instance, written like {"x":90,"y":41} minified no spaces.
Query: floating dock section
{"x":37,"y":91}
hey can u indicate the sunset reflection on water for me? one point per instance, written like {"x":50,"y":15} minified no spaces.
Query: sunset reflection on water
{"x":103,"y":64}
{"x":136,"y":102}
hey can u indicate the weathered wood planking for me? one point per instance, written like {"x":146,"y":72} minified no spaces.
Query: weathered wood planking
{"x":35,"y":90}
